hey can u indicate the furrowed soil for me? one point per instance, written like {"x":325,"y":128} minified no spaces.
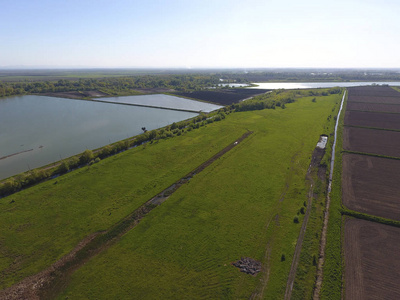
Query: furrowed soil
{"x":370,"y":185}
{"x":372,"y":119}
{"x":371,"y":141}
{"x":376,"y":107}
{"x":381,"y":91}
{"x":372,"y":268}
{"x":375,"y":99}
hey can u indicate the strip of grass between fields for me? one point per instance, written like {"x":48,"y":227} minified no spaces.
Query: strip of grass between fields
{"x":348,"y":212}
{"x":370,"y":154}
{"x":332,"y":284}
{"x":375,"y":128}
{"x":378,"y":112}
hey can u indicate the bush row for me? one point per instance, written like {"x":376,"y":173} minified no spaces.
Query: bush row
{"x":89,"y":157}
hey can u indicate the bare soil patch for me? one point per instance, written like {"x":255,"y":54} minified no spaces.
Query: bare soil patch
{"x":377,"y":107}
{"x":372,"y":263}
{"x":371,"y":185}
{"x":372,"y":119}
{"x":380,"y":142}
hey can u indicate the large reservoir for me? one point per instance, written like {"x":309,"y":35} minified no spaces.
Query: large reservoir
{"x":39,"y":130}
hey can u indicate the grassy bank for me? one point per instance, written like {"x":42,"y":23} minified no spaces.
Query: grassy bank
{"x":44,"y":222}
{"x":242,"y":205}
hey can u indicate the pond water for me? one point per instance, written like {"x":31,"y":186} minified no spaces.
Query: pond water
{"x":308,"y":85}
{"x":39,"y":130}
{"x":164,"y":101}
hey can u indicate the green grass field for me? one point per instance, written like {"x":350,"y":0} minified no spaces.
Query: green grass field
{"x":43,"y":223}
{"x":242,"y":205}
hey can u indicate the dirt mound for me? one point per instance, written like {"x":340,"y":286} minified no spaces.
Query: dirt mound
{"x":248,"y":265}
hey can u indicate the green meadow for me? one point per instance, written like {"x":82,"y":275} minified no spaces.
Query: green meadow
{"x":243,"y":205}
{"x":41,"y":224}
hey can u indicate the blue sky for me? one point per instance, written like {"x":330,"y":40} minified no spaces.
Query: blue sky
{"x":194,"y":33}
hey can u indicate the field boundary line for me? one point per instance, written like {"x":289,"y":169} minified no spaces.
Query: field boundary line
{"x":370,"y":154}
{"x":373,"y":128}
{"x":375,"y":112}
{"x":363,"y":216}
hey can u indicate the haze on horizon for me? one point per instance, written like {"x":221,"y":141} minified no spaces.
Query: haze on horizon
{"x":200,"y":34}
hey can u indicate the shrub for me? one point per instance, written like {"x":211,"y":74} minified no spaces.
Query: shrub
{"x":86,"y":157}
{"x":64,"y":167}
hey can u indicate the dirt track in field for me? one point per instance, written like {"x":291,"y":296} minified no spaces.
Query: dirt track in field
{"x":372,"y":268}
{"x":48,"y":283}
{"x":371,"y":185}
{"x":314,"y":166}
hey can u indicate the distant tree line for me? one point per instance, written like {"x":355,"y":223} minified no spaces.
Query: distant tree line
{"x":279,"y":98}
{"x":112,"y":85}
{"x":311,"y":75}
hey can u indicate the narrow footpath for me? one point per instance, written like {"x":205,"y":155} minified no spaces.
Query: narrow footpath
{"x":299,"y":244}
{"x":321,"y":259}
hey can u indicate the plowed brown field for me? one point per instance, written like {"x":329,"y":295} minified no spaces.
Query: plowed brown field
{"x":372,"y":119}
{"x":380,"y":91}
{"x":371,"y":185}
{"x":371,"y":141}
{"x":374,"y":99}
{"x":372,"y":262}
{"x":373,"y":107}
